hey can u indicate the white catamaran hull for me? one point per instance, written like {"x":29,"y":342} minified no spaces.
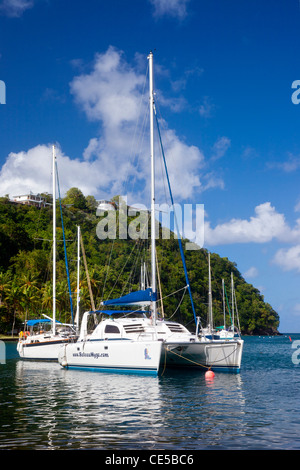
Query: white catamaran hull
{"x":217,"y":355}
{"x":122,"y":356}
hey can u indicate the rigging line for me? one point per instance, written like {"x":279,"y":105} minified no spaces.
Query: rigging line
{"x":120,"y":273}
{"x":175,"y":292}
{"x":138,"y":255}
{"x":49,"y":240}
{"x":132,"y":311}
{"x":129,"y":256}
{"x":179,"y":237}
{"x":132,"y":152}
{"x":87,"y":272}
{"x":133,"y":269}
{"x":228,"y":306}
{"x":159,"y":286}
{"x":108,"y":265}
{"x":237,"y":313}
{"x":161,"y":154}
{"x":178,"y":306}
{"x":224,"y":357}
{"x":218,"y":285}
{"x":185,"y":358}
{"x":137,"y":157}
{"x":198,"y":364}
{"x":140,"y":105}
{"x":47,"y":271}
{"x":37,"y":225}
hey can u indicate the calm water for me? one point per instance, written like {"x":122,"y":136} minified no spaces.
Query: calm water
{"x":45,"y":407}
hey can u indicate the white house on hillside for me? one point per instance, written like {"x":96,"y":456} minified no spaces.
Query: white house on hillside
{"x":30,"y":200}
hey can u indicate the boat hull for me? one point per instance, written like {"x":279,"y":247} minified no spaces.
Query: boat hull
{"x":217,"y":355}
{"x":42,"y":350}
{"x":119,"y":356}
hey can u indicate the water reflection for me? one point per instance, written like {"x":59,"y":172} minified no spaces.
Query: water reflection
{"x":43,"y":406}
{"x":116,"y":408}
{"x":90,"y":410}
{"x":211,"y":409}
{"x":60,"y":408}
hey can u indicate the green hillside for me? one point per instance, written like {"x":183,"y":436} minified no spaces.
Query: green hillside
{"x":114,"y":269}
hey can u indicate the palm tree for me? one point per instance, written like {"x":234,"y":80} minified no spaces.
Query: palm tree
{"x":63,"y":300}
{"x":29,"y":288}
{"x":5,"y":283}
{"x":47,"y":296}
{"x":13,"y":298}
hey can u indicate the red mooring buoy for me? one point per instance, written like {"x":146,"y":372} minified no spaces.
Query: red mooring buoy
{"x":209,"y":374}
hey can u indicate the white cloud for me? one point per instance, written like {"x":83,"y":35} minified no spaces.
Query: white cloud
{"x":174,"y":8}
{"x":113,"y":94}
{"x":220,"y":147}
{"x":288,"y":258}
{"x":184,"y":165}
{"x":206,"y":109}
{"x":116,"y":160}
{"x":296,"y":310}
{"x":31,"y":171}
{"x":297,"y":207}
{"x":290,"y":165}
{"x":15,"y":8}
{"x":251,"y":273}
{"x":265,"y":226}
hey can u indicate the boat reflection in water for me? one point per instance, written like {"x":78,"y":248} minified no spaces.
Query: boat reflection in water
{"x":69,"y":409}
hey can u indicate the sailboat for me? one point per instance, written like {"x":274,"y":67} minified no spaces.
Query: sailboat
{"x":132,"y":341}
{"x":221,"y":332}
{"x":233,"y":330}
{"x":42,"y":337}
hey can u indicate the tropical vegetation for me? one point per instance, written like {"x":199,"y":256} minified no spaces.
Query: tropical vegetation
{"x":114,"y":268}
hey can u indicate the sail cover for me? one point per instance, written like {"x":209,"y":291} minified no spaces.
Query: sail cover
{"x":40,"y":320}
{"x":140,"y":297}
{"x":123,"y":312}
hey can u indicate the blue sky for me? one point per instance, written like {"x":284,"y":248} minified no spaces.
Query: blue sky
{"x":75,"y":74}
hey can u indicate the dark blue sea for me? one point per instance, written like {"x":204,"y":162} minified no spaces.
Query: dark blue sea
{"x":43,"y":407}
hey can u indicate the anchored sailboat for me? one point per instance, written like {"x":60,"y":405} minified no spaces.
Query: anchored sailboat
{"x":131,"y":341}
{"x":42,"y":337}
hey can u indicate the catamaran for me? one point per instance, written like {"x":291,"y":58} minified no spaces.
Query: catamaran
{"x":42,"y":337}
{"x":133,"y":340}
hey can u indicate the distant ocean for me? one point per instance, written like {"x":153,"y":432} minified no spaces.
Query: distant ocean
{"x":45,"y":407}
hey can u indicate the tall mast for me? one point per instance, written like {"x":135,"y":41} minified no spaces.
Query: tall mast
{"x":210,"y":316}
{"x":232,"y":300}
{"x":153,"y":264}
{"x":54,"y":238}
{"x":78,"y":278}
{"x":224,"y":309}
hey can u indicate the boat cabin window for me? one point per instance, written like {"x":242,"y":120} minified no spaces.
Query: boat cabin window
{"x":111,"y":329}
{"x":39,"y":328}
